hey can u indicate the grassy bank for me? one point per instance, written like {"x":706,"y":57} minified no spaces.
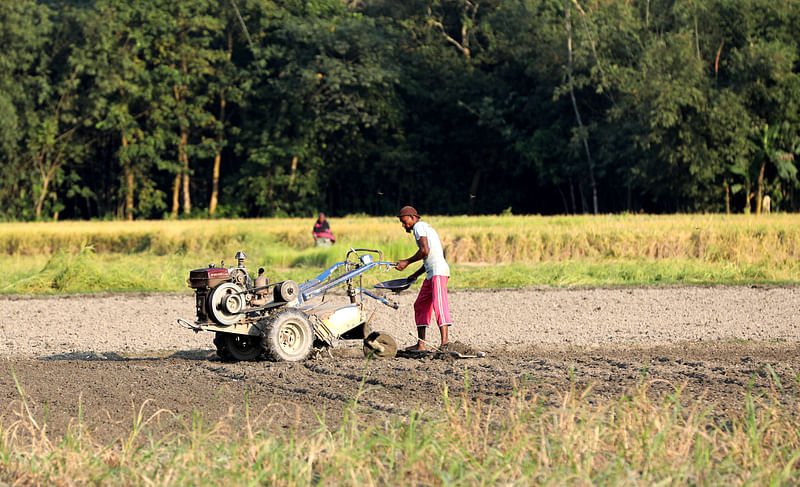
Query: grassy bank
{"x":637,"y":439}
{"x":487,"y":251}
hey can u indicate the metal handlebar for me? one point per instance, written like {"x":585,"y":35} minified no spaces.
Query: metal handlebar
{"x":383,"y":300}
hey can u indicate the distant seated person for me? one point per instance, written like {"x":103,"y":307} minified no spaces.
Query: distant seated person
{"x":322,"y":232}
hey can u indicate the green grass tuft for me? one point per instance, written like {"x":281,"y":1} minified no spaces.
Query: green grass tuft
{"x":638,"y":438}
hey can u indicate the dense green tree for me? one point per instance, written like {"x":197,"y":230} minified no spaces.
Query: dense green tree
{"x":25,"y":31}
{"x":154,"y":109}
{"x":182,"y":56}
{"x":39,"y":97}
{"x":324,"y":90}
{"x":122,"y":102}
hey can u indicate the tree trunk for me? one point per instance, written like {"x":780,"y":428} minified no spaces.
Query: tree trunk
{"x":126,"y":169}
{"x":727,"y":199}
{"x":47,"y":172}
{"x":584,"y":206}
{"x":583,"y":134}
{"x":572,"y":196}
{"x":760,"y":189}
{"x":293,"y":171}
{"x":748,"y":196}
{"x":183,"y":157}
{"x":43,"y":194}
{"x":223,"y":101}
{"x":128,"y":192}
{"x":187,"y":202}
{"x":176,"y":188}
{"x":212,"y":205}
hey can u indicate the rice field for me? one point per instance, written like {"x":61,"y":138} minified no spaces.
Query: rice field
{"x":485,"y":251}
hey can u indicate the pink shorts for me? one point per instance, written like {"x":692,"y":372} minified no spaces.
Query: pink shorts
{"x":432,"y":298}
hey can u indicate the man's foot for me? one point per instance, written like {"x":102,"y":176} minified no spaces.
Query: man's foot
{"x":415,"y":348}
{"x":443,"y":346}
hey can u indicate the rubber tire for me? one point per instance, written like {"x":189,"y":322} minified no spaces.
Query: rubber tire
{"x":222,"y":347}
{"x":243,"y":348}
{"x":289,"y":336}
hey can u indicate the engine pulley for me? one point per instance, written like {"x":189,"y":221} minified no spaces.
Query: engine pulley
{"x":285,"y":291}
{"x":226,"y":303}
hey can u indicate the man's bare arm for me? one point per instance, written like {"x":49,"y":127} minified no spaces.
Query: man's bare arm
{"x":422,"y":252}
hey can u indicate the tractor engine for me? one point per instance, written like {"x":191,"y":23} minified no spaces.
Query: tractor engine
{"x":226,"y":296}
{"x":203,"y":281}
{"x":221,"y":294}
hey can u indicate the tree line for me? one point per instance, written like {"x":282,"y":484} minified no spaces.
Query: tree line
{"x":252,"y":108}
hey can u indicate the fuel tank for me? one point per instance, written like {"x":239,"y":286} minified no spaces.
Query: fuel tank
{"x":208,"y":277}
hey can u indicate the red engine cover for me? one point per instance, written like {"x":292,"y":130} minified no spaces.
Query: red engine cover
{"x":208,"y":277}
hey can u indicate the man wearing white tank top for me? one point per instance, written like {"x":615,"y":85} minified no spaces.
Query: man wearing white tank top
{"x":432,"y":298}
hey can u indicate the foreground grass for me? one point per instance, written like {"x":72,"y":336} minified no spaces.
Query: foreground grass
{"x":636,"y":439}
{"x":489,"y":251}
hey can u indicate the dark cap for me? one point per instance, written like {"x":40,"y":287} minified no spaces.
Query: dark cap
{"x":408,"y":211}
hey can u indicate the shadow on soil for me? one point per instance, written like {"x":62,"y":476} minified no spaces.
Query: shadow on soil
{"x":203,"y":355}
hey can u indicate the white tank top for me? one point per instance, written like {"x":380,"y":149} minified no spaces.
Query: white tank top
{"x":435,"y":265}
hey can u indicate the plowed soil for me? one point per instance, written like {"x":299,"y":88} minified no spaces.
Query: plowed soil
{"x":107,"y":358}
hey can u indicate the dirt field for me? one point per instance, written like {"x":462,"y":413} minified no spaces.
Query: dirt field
{"x":112,"y":355}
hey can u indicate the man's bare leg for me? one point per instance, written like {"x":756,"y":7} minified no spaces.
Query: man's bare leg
{"x":443,"y":331}
{"x":421,"y":342}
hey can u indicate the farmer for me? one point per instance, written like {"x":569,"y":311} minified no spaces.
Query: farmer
{"x":432,"y":296}
{"x":322,"y":232}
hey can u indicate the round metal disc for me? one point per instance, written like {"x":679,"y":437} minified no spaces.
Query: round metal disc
{"x":380,"y":345}
{"x":225,"y":303}
{"x":286,"y":291}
